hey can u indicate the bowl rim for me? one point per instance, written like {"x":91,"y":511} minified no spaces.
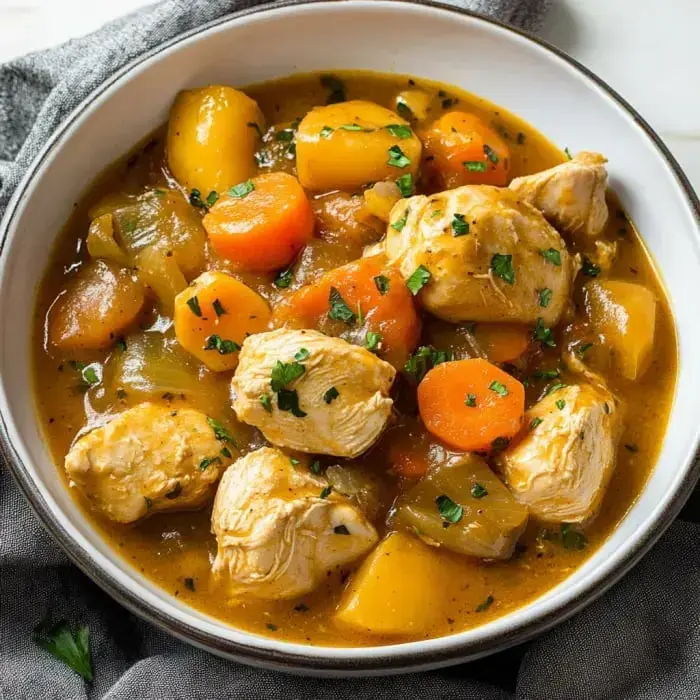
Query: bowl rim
{"x":392,"y":659}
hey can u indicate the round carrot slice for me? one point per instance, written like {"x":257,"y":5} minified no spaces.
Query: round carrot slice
{"x":261,"y":224}
{"x":471,"y":404}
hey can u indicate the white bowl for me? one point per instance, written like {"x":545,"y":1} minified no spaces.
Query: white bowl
{"x":551,"y":91}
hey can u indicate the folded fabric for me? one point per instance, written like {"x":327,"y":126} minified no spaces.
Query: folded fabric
{"x":641,"y":640}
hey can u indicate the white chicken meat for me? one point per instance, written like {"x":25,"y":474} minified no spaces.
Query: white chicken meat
{"x":490,"y":256}
{"x":146,"y":460}
{"x":312,"y":393}
{"x":562,"y":465}
{"x":571,"y":195}
{"x":280,"y":529}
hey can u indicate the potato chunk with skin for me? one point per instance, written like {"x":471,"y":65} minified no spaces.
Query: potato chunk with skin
{"x":101,"y":301}
{"x":624,"y":313}
{"x":571,"y":195}
{"x":147,"y":460}
{"x":214,"y":315}
{"x":277,"y":531}
{"x":483,"y":519}
{"x":211,"y":139}
{"x":295,"y":371}
{"x":395,"y":591}
{"x":562,"y":464}
{"x":505,"y":253}
{"x":345,"y":146}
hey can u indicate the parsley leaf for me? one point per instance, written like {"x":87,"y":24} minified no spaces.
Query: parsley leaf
{"x":71,"y":648}
{"x":560,"y":403}
{"x":424,"y":359}
{"x":326,"y":492}
{"x":398,"y":158}
{"x":218,"y":307}
{"x":339,"y":310}
{"x":475,"y":166}
{"x":470,"y":401}
{"x":485,"y":605}
{"x":373,"y":341}
{"x":223,"y":347}
{"x":405,"y":184}
{"x":284,"y":278}
{"x":242,"y":190}
{"x":196,"y":200}
{"x":284,"y":373}
{"x":545,"y":296}
{"x":535,"y":422}
{"x":418,"y":280}
{"x":193,"y":303}
{"x":355,"y":127}
{"x":400,"y":223}
{"x":301,"y":355}
{"x":382,"y":284}
{"x":479,"y":491}
{"x":400,"y":131}
{"x":212,"y":198}
{"x":572,"y":538}
{"x":220,"y":433}
{"x":450,"y":511}
{"x":460,"y":227}
{"x":544,"y":335}
{"x":288,"y":400}
{"x":583,"y":349}
{"x":589,"y":269}
{"x":499,"y":388}
{"x":266,"y":402}
{"x":331,"y":394}
{"x":502,"y":266}
{"x":326,"y":132}
{"x":491,"y":154}
{"x":552,"y":255}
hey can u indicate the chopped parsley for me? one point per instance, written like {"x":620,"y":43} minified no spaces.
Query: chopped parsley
{"x":339,"y":310}
{"x":543,"y":334}
{"x":284,"y":373}
{"x":485,"y":605}
{"x":460,"y":227}
{"x":212,"y":198}
{"x":398,"y":158}
{"x":568,"y":153}
{"x":546,"y":374}
{"x":583,"y":349}
{"x":196,"y":200}
{"x":90,"y":376}
{"x":301,"y":355}
{"x":479,"y":491}
{"x":554,"y":387}
{"x":226,"y":452}
{"x":470,"y":401}
{"x":560,"y":403}
{"x":223,"y":347}
{"x":572,"y":538}
{"x":535,"y":422}
{"x":288,"y":400}
{"x":552,"y":255}
{"x":207,"y":461}
{"x":590,"y":269}
{"x":400,"y":223}
{"x":373,"y":341}
{"x":266,"y":402}
{"x":403,"y":108}
{"x":450,"y":511}
{"x":218,"y":307}
{"x":341,"y":530}
{"x":418,"y":280}
{"x":193,"y":303}
{"x":475,"y":166}
{"x":326,"y":492}
{"x":355,"y":127}
{"x":315,"y":467}
{"x":220,"y":433}
{"x":284,"y":135}
{"x":73,"y":648}
{"x":284,"y":278}
{"x":405,"y":184}
{"x":502,"y":266}
{"x":545,"y":296}
{"x":499,"y":388}
{"x":242,"y":190}
{"x":331,"y":394}
{"x":326,"y":132}
{"x":400,"y":131}
{"x":491,"y":154}
{"x":382,"y":284}
{"x":424,"y":359}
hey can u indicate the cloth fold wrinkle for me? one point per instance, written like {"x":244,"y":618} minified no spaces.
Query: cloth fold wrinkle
{"x":641,"y":640}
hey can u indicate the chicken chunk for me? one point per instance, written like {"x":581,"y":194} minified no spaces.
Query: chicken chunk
{"x":312,"y":393}
{"x":278,"y":530}
{"x":489,"y":256}
{"x":570,"y":195}
{"x":563,"y":464}
{"x":146,"y":460}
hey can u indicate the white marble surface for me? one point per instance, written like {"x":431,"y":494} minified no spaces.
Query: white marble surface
{"x":648,"y":50}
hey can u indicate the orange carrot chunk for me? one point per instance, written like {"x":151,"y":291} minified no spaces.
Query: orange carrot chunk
{"x":471,"y":404}
{"x":261,"y":225}
{"x":467,"y":152}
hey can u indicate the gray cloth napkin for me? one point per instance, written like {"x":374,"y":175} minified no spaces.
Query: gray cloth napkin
{"x":641,"y":640}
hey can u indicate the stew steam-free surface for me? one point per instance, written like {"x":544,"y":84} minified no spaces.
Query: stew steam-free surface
{"x":352,"y":359}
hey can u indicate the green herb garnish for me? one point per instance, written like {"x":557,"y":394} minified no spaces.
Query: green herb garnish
{"x":288,"y":400}
{"x":218,"y":307}
{"x":242,"y":190}
{"x":485,"y":605}
{"x":220,"y":433}
{"x":400,"y":131}
{"x":193,"y":303}
{"x":223,"y":347}
{"x":400,"y":223}
{"x":382,"y":284}
{"x":71,"y":648}
{"x":475,"y":166}
{"x":284,"y":278}
{"x":545,"y":296}
{"x":398,"y":158}
{"x":470,"y":401}
{"x":405,"y":184}
{"x":339,"y":310}
{"x":418,"y":280}
{"x":502,"y":266}
{"x":552,"y":255}
{"x":499,"y":388}
{"x":331,"y":394}
{"x":266,"y":402}
{"x":543,"y":334}
{"x":450,"y":511}
{"x":479,"y":491}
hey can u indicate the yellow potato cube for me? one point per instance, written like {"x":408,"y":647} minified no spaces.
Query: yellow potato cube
{"x":625,"y":314}
{"x":348,"y":145}
{"x":394,"y":591}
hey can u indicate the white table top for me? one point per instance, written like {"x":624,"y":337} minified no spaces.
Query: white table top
{"x":647,"y":50}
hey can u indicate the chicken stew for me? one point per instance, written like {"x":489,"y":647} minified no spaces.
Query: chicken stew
{"x":352,"y":359}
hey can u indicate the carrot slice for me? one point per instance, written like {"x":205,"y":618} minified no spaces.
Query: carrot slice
{"x":471,"y":404}
{"x":376,"y":296}
{"x":467,"y":152}
{"x":214,"y":315}
{"x":502,"y":342}
{"x":261,"y":224}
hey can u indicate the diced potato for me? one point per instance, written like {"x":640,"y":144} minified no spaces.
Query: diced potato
{"x":213,"y":317}
{"x":413,"y":103}
{"x":161,"y":219}
{"x":161,"y":273}
{"x":484,"y":519}
{"x":380,"y":199}
{"x":345,"y":146}
{"x":624,"y":313}
{"x":100,"y":241}
{"x":396,"y":590}
{"x":212,"y":138}
{"x":98,"y":305}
